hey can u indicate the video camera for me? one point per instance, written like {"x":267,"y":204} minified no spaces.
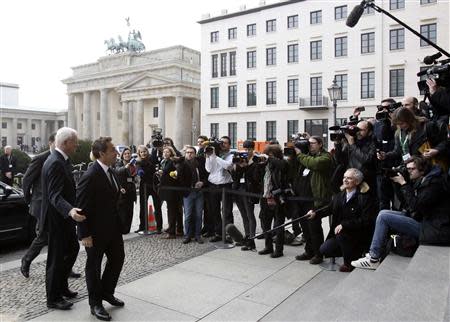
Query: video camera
{"x":340,"y":130}
{"x":239,"y":157}
{"x":439,"y":71}
{"x":133,"y":160}
{"x":157,"y":139}
{"x":393,"y":172}
{"x":384,"y":111}
{"x":299,"y":141}
{"x":213,"y":144}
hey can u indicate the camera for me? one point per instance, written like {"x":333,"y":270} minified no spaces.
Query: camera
{"x":298,"y":141}
{"x":133,"y":159}
{"x":340,"y":130}
{"x":382,"y":115}
{"x":393,"y":172}
{"x":440,"y":72}
{"x":239,"y":157}
{"x":282,"y":194}
{"x":157,"y":139}
{"x":213,"y":144}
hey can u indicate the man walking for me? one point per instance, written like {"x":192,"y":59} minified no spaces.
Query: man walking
{"x":97,"y":195}
{"x":58,"y":216}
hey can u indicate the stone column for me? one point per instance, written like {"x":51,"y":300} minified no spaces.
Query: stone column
{"x":71,"y":116}
{"x":43,"y":134}
{"x":14,"y":133}
{"x":28,"y":135}
{"x":139,"y":123}
{"x":162,"y":115}
{"x":125,"y":123}
{"x":104,"y":129}
{"x":87,"y":115}
{"x":179,"y":129}
{"x":131,"y":122}
{"x":196,"y":119}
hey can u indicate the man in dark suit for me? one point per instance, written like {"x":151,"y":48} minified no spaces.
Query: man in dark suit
{"x":58,"y":217}
{"x":8,"y":166}
{"x":97,"y":195}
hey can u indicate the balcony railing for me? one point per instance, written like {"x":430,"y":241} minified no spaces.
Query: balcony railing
{"x":315,"y":102}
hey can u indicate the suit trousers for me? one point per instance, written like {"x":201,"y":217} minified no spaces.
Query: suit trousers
{"x":215,"y":199}
{"x":37,"y":244}
{"x":312,"y":230}
{"x":277,"y":215}
{"x":99,"y":284}
{"x":342,"y":245}
{"x":63,"y":250}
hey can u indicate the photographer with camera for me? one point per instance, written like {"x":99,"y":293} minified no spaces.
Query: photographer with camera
{"x":126,"y":172}
{"x":427,"y":215}
{"x":412,"y":103}
{"x":273,"y":203}
{"x":208,"y":223}
{"x":247,"y":176}
{"x":219,"y":163}
{"x":315,"y":169}
{"x":358,"y":150}
{"x":146,"y":171}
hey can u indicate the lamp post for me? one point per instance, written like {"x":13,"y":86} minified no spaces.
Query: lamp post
{"x":335,"y":93}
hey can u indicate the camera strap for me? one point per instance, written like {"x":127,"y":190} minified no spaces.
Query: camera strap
{"x":404,"y":143}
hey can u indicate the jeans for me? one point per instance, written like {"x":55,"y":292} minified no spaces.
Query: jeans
{"x":193,"y":209}
{"x":391,"y":220}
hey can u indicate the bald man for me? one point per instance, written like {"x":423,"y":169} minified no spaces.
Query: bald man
{"x":412,"y":104}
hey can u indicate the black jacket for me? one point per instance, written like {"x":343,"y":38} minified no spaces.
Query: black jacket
{"x":185,"y":174}
{"x":167,"y":181}
{"x":5,"y":164}
{"x":32,"y":184}
{"x":428,"y":202}
{"x":126,"y":181}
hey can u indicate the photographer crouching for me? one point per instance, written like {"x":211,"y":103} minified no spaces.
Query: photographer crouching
{"x":219,"y":163}
{"x":427,"y":214}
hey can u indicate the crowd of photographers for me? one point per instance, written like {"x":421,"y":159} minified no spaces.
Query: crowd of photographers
{"x":385,"y":174}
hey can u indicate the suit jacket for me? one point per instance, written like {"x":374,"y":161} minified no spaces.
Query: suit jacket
{"x":32,"y":184}
{"x":98,"y":200}
{"x":58,"y":191}
{"x":4,"y":164}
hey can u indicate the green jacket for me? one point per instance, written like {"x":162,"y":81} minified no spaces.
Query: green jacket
{"x":321,"y":166}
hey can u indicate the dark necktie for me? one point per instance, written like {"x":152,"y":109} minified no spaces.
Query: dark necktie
{"x":111,"y":178}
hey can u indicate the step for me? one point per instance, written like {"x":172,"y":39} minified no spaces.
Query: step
{"x":422,"y":293}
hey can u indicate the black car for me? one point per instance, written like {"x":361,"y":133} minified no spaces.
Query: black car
{"x":16,"y":224}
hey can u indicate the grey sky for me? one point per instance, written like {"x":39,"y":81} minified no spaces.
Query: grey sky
{"x":41,"y":39}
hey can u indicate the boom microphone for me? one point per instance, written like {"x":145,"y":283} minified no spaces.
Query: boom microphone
{"x":355,"y":15}
{"x":430,"y":59}
{"x":234,"y":233}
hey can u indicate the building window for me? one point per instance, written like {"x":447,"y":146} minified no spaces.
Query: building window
{"x":292,"y":128}
{"x":251,"y":94}
{"x":271,"y":92}
{"x":271,"y":56}
{"x":316,"y":91}
{"x":232,"y":63}
{"x":232,"y":134}
{"x":214,"y":66}
{"x":292,"y":90}
{"x":430,"y":32}
{"x":251,"y":30}
{"x":251,"y":131}
{"x":155,"y":112}
{"x":341,"y":80}
{"x":368,"y":10}
{"x":214,"y":36}
{"x":316,"y":50}
{"x":293,"y":53}
{"x":427,"y":1}
{"x":340,"y":46}
{"x":33,"y":126}
{"x":232,"y":33}
{"x":396,"y":4}
{"x":396,"y":82}
{"x":251,"y":59}
{"x":271,"y":25}
{"x":271,"y":130}
{"x":223,"y":64}
{"x":340,"y":12}
{"x":317,"y":128}
{"x":368,"y":85}
{"x":315,"y":17}
{"x":292,"y":21}
{"x":4,"y":141}
{"x":214,"y":97}
{"x":19,"y":126}
{"x":232,"y":96}
{"x":214,"y":130}
{"x":367,"y":43}
{"x":4,"y":125}
{"x":397,"y":39}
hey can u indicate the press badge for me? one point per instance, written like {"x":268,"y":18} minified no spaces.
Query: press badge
{"x":306,"y":172}
{"x":406,"y":157}
{"x":10,"y":166}
{"x":129,"y":180}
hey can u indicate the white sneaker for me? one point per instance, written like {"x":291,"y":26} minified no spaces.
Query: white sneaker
{"x":366,"y":263}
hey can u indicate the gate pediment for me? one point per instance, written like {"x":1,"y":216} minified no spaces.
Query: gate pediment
{"x":145,"y":81}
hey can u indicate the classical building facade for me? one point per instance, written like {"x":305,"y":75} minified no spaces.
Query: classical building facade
{"x":25,"y":127}
{"x":128,"y":95}
{"x":265,"y":70}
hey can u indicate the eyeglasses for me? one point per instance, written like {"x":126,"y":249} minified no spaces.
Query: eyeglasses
{"x":411,"y":168}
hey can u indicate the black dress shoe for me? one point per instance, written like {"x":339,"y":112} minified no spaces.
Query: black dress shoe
{"x":100,"y":313}
{"x":69,"y":294}
{"x":265,"y":251}
{"x":276,"y":254}
{"x":25,"y":268}
{"x":61,"y":304}
{"x":187,"y":240}
{"x":215,"y":239}
{"x":74,"y":275}
{"x":138,"y":230}
{"x":304,"y":257}
{"x":114,"y":301}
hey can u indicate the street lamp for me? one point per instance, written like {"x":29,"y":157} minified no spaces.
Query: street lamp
{"x":335,"y":93}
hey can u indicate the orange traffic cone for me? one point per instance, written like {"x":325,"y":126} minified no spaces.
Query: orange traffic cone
{"x":151,"y":219}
